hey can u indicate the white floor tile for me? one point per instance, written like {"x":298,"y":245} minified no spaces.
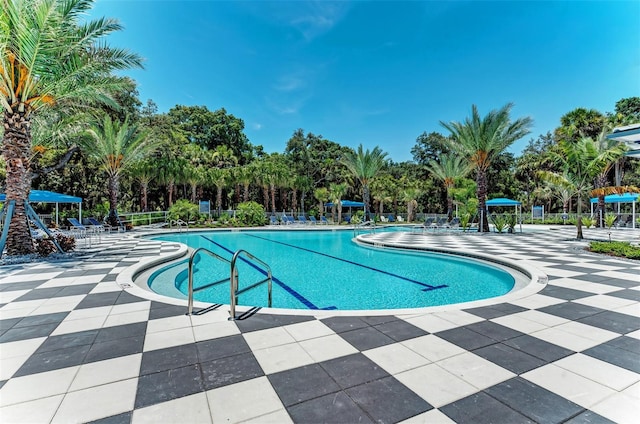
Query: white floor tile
{"x":327,"y":347}
{"x":9,"y":366}
{"x":10,"y":296}
{"x":188,"y":409}
{"x":519,"y":323}
{"x":396,"y":358}
{"x":20,"y":348}
{"x":35,"y":411}
{"x":620,"y":408}
{"x":126,"y":318}
{"x":633,"y":310}
{"x":37,"y":386}
{"x":459,"y":317}
{"x":565,"y":339}
{"x":131,"y":307}
{"x":436,"y":385}
{"x":431,"y":323}
{"x":97,"y":402}
{"x":430,"y":417}
{"x":475,"y":370}
{"x":569,"y":385}
{"x":433,"y":347}
{"x":599,"y":371}
{"x":537,"y":301}
{"x":605,"y":302}
{"x":243,"y":401}
{"x":308,"y":330}
{"x":169,"y":323}
{"x":107,"y":371}
{"x":215,"y":330}
{"x":168,"y":338}
{"x":268,"y":338}
{"x":283,"y":357}
{"x":543,"y":318}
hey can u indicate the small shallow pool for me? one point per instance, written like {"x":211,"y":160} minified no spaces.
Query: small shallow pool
{"x":326,"y":270}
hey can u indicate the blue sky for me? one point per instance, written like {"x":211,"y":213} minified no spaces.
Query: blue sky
{"x":380,"y":73}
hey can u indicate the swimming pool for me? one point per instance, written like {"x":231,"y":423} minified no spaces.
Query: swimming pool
{"x":325,"y":270}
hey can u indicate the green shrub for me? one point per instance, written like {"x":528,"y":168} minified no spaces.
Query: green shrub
{"x":609,"y":220}
{"x":587,"y":221}
{"x":616,"y":248}
{"x":184,"y":210}
{"x":251,"y":214}
{"x":500,"y":223}
{"x":511,"y":221}
{"x":464,"y":221}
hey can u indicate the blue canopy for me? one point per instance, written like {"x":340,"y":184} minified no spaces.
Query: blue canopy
{"x":619,"y":198}
{"x":501,"y":201}
{"x":43,"y":196}
{"x":347,"y":204}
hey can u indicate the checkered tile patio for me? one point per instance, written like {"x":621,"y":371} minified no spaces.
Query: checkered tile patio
{"x":76,"y":347}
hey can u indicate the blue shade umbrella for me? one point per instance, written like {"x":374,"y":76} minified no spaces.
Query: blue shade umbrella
{"x":44,"y":196}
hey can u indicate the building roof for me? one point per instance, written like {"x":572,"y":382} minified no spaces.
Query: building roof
{"x":629,"y":134}
{"x":43,"y":196}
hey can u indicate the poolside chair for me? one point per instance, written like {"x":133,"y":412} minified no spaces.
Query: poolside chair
{"x":313,"y":220}
{"x":273,"y":220}
{"x":77,"y":229}
{"x":323,"y":220}
{"x":390,"y":218}
{"x":400,"y":218}
{"x":302,"y":219}
{"x":96,"y":225}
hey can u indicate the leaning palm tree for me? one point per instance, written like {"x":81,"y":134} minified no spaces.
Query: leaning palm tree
{"x":447,"y":169}
{"x":116,"y":147}
{"x":48,"y":57}
{"x":481,"y":140}
{"x":365,"y":166}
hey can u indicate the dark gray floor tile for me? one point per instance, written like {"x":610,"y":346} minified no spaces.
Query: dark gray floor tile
{"x":334,"y":408}
{"x":466,"y":338}
{"x":627,"y":343}
{"x":23,"y":285}
{"x":564,"y":293}
{"x":261,"y":321}
{"x":494,"y":331}
{"x":353,"y":370}
{"x":533,"y":401}
{"x":534,"y":346}
{"x":109,"y":278}
{"x":400,"y":330}
{"x":219,"y":348}
{"x":366,"y":338}
{"x":627,"y":294}
{"x":613,"y":355}
{"x":387,"y":400}
{"x":6,"y":324}
{"x":167,"y":311}
{"x":613,"y":321}
{"x":42,"y":319}
{"x":64,"y":341}
{"x":126,"y":297}
{"x":115,"y":348}
{"x":495,"y":311}
{"x":380,"y":319}
{"x":124,"y":418}
{"x":571,"y":311}
{"x":510,"y":358}
{"x":30,"y":332}
{"x":589,"y":417}
{"x":168,"y":358}
{"x":481,"y":408}
{"x":341,"y":324}
{"x":623,"y":283}
{"x":76,"y":289}
{"x":36,"y":294}
{"x":98,"y":299}
{"x":48,"y":361}
{"x":303,"y":383}
{"x":230,"y":370}
{"x":168,"y":385}
{"x":122,"y":331}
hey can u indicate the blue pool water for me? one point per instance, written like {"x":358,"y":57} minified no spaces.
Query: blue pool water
{"x":326,"y":270}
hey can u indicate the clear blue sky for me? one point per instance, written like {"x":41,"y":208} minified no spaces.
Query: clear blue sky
{"x":380,"y":73}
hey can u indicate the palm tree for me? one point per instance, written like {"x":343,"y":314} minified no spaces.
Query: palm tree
{"x":169,"y":170}
{"x":116,"y":147}
{"x":481,"y":140}
{"x":48,"y":57}
{"x":448,"y":169}
{"x":143,"y":173}
{"x":410,"y":196}
{"x":219,"y":178}
{"x":336,"y":192}
{"x":365,"y":165}
{"x":609,"y":153}
{"x":194,"y":176}
{"x":322,"y":195}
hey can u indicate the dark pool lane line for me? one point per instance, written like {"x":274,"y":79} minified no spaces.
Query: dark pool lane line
{"x":427,"y":287}
{"x":276,"y":280}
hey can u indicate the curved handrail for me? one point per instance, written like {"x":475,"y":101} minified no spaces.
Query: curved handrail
{"x":191,"y":259}
{"x":234,"y":292}
{"x":178,"y":223}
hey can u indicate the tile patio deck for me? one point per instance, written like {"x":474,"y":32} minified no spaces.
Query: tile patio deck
{"x":76,"y":347}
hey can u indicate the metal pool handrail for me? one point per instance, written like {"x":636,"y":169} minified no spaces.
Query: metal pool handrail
{"x":235,"y":292}
{"x":233,"y":278}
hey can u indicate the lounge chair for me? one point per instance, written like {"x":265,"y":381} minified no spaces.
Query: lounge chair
{"x":273,"y":220}
{"x":390,"y":218}
{"x":302,"y":219}
{"x":313,"y":220}
{"x":383,"y":218}
{"x":77,"y":229}
{"x":323,"y":220}
{"x":96,"y":225}
{"x":400,"y":218}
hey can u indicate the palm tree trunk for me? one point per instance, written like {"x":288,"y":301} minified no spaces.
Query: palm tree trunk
{"x":144,"y":188}
{"x":265,"y":196}
{"x":579,"y":220}
{"x":219,"y":199}
{"x":273,"y":199}
{"x":246,"y":192}
{"x":16,"y":149}
{"x":449,"y":206}
{"x":294,"y":200}
{"x":365,"y":190}
{"x":481,"y":181}
{"x":113,"y":185}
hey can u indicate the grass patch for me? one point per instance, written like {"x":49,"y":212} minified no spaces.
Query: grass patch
{"x":616,"y":248}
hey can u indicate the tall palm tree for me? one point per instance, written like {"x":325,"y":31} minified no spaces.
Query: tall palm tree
{"x":322,"y":195}
{"x":447,"y":169}
{"x":365,"y":165}
{"x":194,"y":176}
{"x":116,"y":147}
{"x":481,"y":140}
{"x":48,"y":57}
{"x":219,"y":178}
{"x":336,"y":193}
{"x":410,"y":196}
{"x":143,"y":173}
{"x":609,"y":153}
